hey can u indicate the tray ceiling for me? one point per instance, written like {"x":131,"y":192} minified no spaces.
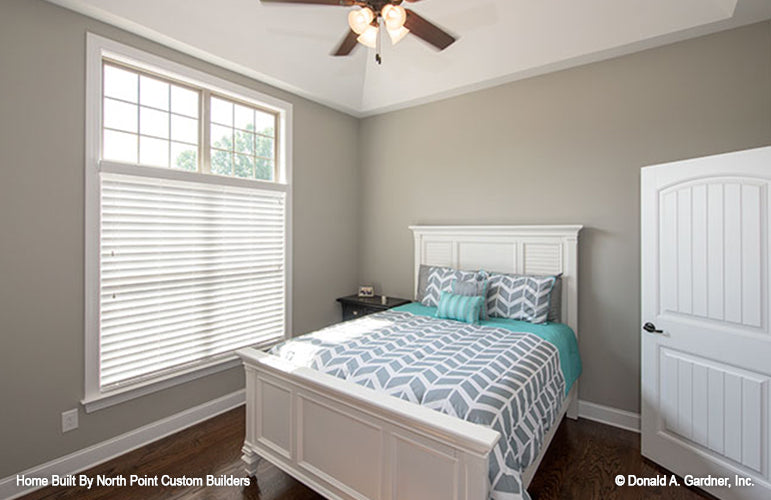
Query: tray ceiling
{"x":500,"y":40}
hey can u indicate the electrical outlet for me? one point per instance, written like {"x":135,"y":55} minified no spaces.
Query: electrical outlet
{"x":69,"y":420}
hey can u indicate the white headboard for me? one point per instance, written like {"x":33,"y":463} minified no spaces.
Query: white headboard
{"x":506,"y":249}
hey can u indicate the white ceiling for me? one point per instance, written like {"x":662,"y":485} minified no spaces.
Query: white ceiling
{"x":499,"y":41}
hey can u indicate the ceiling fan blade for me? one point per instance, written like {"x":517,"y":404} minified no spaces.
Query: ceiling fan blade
{"x":345,"y":3}
{"x":347,"y":45}
{"x":428,"y":31}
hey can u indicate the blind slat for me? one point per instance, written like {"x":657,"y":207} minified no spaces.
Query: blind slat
{"x":175,"y":271}
{"x":144,"y":281}
{"x":126,"y":264}
{"x":156,"y":289}
{"x":172,"y":296}
{"x":148,"y":318}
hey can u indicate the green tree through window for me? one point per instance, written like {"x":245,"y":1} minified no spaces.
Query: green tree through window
{"x":244,"y":154}
{"x":186,"y":160}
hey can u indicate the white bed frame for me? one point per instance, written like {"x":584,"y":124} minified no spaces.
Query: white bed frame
{"x":349,"y":442}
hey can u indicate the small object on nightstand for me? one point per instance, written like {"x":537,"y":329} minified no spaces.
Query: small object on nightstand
{"x":366,"y":291}
{"x":356,"y":307}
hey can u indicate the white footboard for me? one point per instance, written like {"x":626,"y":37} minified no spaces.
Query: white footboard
{"x":350,"y":442}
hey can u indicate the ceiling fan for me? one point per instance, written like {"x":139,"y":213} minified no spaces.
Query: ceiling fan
{"x":375,"y":16}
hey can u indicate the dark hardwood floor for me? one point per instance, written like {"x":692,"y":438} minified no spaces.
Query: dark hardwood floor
{"x":582,"y":462}
{"x":584,"y":459}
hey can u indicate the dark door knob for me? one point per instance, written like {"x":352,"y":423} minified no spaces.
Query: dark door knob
{"x":651,"y":328}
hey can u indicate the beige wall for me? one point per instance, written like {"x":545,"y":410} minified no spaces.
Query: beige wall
{"x":42,"y":91}
{"x":565,"y":148}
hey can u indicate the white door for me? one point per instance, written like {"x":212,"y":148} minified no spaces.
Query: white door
{"x":706,"y":361}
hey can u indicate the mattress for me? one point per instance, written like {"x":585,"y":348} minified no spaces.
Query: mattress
{"x":508,"y":376}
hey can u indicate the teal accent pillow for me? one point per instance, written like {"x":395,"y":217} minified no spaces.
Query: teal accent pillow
{"x":459,"y":307}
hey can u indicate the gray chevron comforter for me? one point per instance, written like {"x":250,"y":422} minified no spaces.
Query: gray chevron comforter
{"x":509,"y":381}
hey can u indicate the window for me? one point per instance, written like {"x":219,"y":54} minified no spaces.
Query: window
{"x":153,"y":121}
{"x":187,"y":210}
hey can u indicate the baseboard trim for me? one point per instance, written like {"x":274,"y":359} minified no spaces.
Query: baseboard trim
{"x":114,"y":447}
{"x":610,"y":416}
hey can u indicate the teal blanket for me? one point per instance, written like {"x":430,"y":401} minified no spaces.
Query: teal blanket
{"x":558,"y":334}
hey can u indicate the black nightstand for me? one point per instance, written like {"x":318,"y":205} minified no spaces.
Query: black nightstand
{"x":356,"y":307}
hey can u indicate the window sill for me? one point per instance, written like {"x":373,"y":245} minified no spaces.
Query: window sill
{"x":105,"y":400}
{"x":100,"y":401}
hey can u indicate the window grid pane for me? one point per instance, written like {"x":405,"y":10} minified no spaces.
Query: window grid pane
{"x":120,"y":146}
{"x":184,"y":156}
{"x":121,"y":83}
{"x":154,"y":93}
{"x":184,"y":101}
{"x":221,"y":112}
{"x":265,"y":124}
{"x":120,"y":115}
{"x":221,"y":162}
{"x":153,"y":123}
{"x":184,"y":129}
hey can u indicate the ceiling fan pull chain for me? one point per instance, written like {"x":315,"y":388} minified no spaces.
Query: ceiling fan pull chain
{"x":379,"y":42}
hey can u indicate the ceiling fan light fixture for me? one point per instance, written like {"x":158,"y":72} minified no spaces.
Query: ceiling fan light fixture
{"x":369,"y":37}
{"x":397,"y":34}
{"x":394,"y":16}
{"x":360,"y":19}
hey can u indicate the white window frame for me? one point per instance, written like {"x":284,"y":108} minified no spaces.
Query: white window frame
{"x":98,"y":48}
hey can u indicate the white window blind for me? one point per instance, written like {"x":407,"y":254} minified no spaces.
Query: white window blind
{"x":188,"y":272}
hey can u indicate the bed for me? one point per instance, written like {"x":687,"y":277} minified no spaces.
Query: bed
{"x":319,"y":408}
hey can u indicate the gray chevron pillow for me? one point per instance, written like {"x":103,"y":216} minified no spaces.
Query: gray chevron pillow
{"x":555,"y":304}
{"x":440,"y":280}
{"x":520,"y":297}
{"x":422,"y":281}
{"x":476,"y":286}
